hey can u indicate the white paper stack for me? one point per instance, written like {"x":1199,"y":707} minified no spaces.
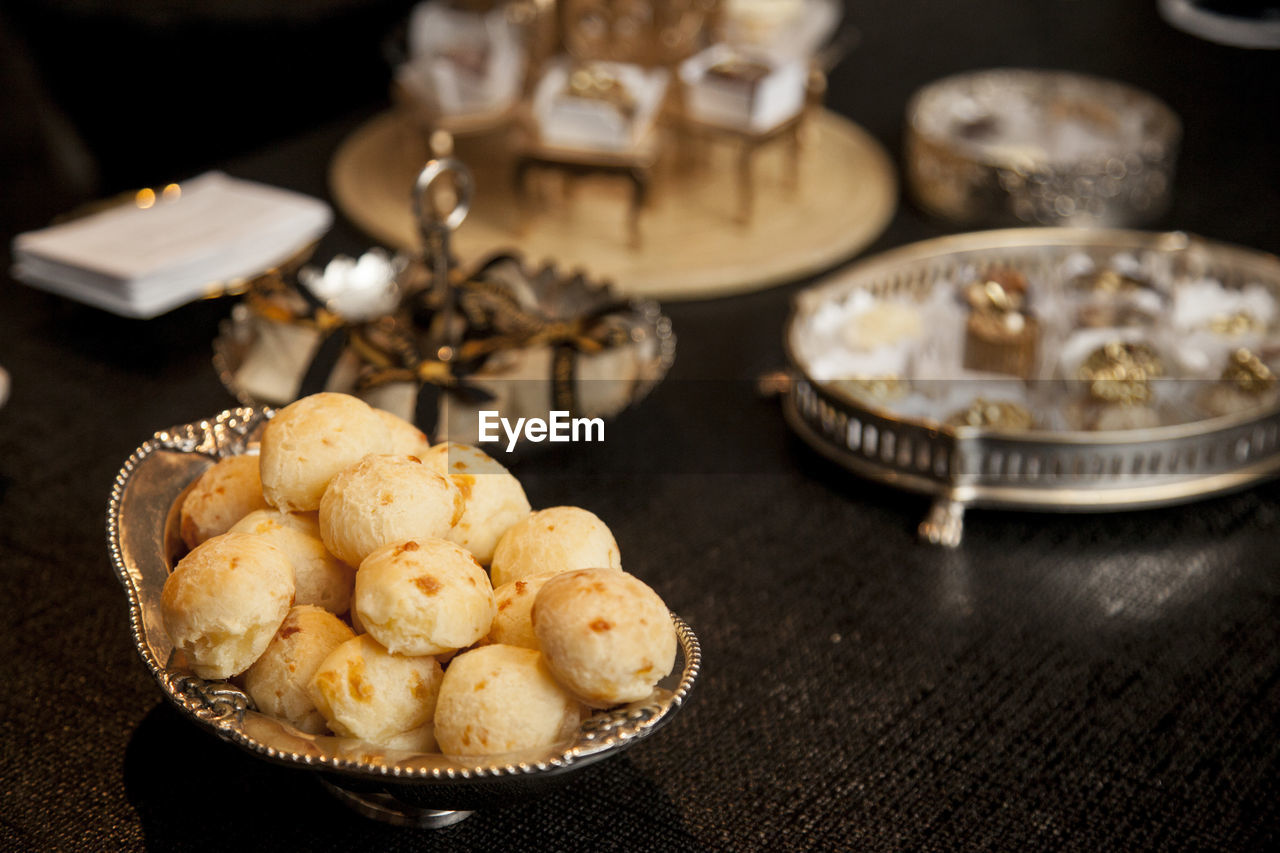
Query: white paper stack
{"x":141,"y":262}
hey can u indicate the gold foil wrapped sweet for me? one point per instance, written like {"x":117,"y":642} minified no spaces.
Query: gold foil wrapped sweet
{"x":1246,"y":384}
{"x":1109,"y":300}
{"x":1108,"y":282}
{"x":1234,"y":325}
{"x":1000,"y":289}
{"x":1000,"y":337}
{"x":993,"y":414}
{"x":875,"y":389}
{"x":1121,"y":372}
{"x":1246,"y":372}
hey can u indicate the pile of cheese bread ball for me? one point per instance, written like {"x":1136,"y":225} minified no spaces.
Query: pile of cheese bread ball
{"x":339,"y":577}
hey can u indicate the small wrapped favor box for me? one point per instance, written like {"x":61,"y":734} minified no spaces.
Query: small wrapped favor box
{"x":534,"y":342}
{"x":462,"y":62}
{"x":742,"y":90}
{"x":604,"y":106}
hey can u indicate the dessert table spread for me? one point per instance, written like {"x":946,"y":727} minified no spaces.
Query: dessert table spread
{"x":1078,"y":682}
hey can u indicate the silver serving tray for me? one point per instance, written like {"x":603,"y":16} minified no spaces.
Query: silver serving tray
{"x":1036,"y":470}
{"x":421,"y":789}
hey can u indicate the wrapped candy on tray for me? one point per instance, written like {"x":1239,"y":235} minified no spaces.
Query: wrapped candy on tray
{"x":462,"y":62}
{"x":748,"y":90}
{"x":607,"y":106}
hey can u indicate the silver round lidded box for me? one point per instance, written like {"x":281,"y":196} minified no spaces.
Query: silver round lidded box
{"x":1030,"y":147}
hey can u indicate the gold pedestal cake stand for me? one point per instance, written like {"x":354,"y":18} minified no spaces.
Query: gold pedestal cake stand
{"x":807,"y":214}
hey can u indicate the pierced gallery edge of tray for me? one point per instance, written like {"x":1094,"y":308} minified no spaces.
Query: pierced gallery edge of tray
{"x":143,"y":543}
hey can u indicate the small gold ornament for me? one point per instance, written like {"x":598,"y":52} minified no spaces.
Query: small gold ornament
{"x":1120,"y":372}
{"x":1246,"y":372}
{"x":1109,"y":282}
{"x":999,"y":336}
{"x":993,"y":414}
{"x":1234,"y":325}
{"x":875,"y":389}
{"x":593,"y":82}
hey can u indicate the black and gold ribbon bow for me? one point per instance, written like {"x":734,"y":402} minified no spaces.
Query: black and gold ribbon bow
{"x":268,"y":297}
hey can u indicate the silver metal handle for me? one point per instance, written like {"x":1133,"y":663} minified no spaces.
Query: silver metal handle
{"x":429,"y":218}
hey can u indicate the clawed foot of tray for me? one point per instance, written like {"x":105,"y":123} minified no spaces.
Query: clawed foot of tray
{"x":944,"y":525}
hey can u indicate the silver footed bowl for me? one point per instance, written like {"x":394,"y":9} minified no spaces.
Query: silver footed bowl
{"x":418,"y":789}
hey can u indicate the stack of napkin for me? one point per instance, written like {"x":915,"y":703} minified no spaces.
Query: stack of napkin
{"x":140,"y":260}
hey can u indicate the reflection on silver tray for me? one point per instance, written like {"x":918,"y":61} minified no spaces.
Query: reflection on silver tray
{"x":401,"y":787}
{"x":1055,"y":469}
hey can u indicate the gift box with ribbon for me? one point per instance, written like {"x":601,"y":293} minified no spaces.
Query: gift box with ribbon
{"x":438,"y":342}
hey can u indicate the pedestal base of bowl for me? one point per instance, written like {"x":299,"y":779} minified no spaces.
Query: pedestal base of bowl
{"x":389,"y":809}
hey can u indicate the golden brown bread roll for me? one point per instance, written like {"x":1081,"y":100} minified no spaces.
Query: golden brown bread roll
{"x":493,"y":499}
{"x":225,"y":600}
{"x":383,"y":499}
{"x":559,"y":539}
{"x":606,"y":636}
{"x":511,"y":624}
{"x":223,"y":495}
{"x":278,"y":680}
{"x":319,"y":578}
{"x":404,"y":439}
{"x":364,"y":691}
{"x":311,"y":440}
{"x":423,"y":597}
{"x":499,"y":699}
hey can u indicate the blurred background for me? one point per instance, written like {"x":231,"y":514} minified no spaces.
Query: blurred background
{"x":104,"y":95}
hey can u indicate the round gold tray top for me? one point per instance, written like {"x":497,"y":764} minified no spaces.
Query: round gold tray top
{"x":693,"y":240}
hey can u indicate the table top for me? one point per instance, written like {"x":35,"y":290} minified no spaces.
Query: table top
{"x":1077,"y":682}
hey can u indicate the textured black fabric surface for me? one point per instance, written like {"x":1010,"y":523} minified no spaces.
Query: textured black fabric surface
{"x":1059,"y":682}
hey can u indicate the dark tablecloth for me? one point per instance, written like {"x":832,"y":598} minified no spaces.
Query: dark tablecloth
{"x":1059,"y":682}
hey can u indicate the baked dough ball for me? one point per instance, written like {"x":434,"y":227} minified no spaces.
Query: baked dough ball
{"x":423,"y":597}
{"x":511,"y":624}
{"x":364,"y":691}
{"x":319,"y":578}
{"x":606,"y":635}
{"x":311,"y":440}
{"x":559,"y":539}
{"x":279,"y":679}
{"x":223,"y":495}
{"x":225,"y":600}
{"x":404,"y":439}
{"x":498,"y":699}
{"x":493,"y":499}
{"x":384,"y":499}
